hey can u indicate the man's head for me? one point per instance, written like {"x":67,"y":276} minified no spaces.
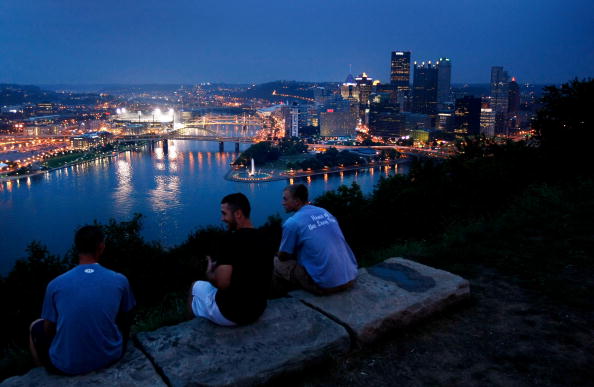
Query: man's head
{"x":89,"y":241}
{"x":295,"y":196}
{"x":235,"y":211}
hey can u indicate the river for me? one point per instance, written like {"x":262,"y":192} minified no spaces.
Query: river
{"x":177,"y":191}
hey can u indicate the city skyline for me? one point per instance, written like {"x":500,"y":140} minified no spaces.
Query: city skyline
{"x":50,"y":42}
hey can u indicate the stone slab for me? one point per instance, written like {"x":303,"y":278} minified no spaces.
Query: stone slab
{"x":134,"y":369}
{"x":287,"y":337}
{"x":390,"y":294}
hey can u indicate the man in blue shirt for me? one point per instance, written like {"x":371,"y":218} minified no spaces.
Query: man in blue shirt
{"x":313,"y":253}
{"x":86,"y":317}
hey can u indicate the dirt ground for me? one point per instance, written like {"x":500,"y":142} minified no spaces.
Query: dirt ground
{"x":504,"y":336}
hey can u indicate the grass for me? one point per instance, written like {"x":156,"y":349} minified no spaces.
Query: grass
{"x":545,"y":240}
{"x":281,"y":163}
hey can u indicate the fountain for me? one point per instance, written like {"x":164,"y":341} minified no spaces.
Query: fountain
{"x":252,"y":171}
{"x":250,"y":174}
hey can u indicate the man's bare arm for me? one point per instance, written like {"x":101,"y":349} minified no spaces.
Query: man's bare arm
{"x":219,"y":276}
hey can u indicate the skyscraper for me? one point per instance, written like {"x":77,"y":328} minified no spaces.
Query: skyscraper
{"x":513,"y":105}
{"x":499,"y":97}
{"x":384,"y":117}
{"x":444,"y":77}
{"x":513,"y":97}
{"x":425,"y":89}
{"x":400,"y":70}
{"x":468,"y":115}
{"x":364,"y":88}
{"x":349,"y":90}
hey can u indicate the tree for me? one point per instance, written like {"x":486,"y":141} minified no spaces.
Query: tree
{"x":564,"y":124}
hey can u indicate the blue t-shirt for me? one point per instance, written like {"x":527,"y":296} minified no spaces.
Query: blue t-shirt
{"x":313,"y":235}
{"x":84,"y":303}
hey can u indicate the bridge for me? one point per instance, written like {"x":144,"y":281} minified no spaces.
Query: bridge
{"x":409,"y":150}
{"x":160,"y":137}
{"x":224,"y":120}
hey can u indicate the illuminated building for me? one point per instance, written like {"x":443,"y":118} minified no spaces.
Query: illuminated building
{"x":425,"y":89}
{"x":420,"y":135}
{"x":413,"y":121}
{"x":349,"y":90}
{"x":444,"y":76}
{"x":487,"y":122}
{"x":499,"y":97}
{"x":444,"y":121}
{"x":513,"y":104}
{"x":384,"y":117}
{"x":400,"y":70}
{"x":45,"y":107}
{"x":337,"y":123}
{"x":468,"y":115}
{"x":364,"y":87}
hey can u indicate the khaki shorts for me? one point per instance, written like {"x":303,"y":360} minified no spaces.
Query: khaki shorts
{"x":291,"y":275}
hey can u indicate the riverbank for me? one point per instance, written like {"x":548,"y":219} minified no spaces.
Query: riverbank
{"x":6,"y":178}
{"x":276,"y":175}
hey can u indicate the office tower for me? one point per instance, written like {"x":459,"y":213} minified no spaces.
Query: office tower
{"x":294,"y":112}
{"x":425,"y":89}
{"x":348,"y":90}
{"x":338,"y":123}
{"x":400,"y":78}
{"x":468,"y":115}
{"x":513,"y":100}
{"x":364,"y":88}
{"x":444,"y":77}
{"x":322,"y":95}
{"x":513,"y":105}
{"x":499,"y":97}
{"x":487,"y":122}
{"x":400,"y":70}
{"x":384,"y":117}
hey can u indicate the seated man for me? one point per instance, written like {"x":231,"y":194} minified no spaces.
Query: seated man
{"x":86,"y":317}
{"x":313,"y":254}
{"x":239,"y":280}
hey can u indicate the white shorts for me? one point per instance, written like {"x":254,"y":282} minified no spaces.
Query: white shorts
{"x":204,"y":304}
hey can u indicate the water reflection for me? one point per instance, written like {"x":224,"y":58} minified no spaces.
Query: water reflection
{"x":123,"y":192}
{"x":166,"y":194}
{"x":177,"y":193}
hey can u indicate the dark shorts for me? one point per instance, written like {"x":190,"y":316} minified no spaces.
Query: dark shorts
{"x":42,"y":343}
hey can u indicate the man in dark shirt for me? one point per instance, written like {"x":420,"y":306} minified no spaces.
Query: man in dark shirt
{"x":239,"y":279}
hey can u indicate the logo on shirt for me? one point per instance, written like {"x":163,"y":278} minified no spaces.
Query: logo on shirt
{"x":320,"y":221}
{"x":89,"y":271}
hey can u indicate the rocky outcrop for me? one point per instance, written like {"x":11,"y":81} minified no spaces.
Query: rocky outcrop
{"x":391,"y":294}
{"x":287,"y":337}
{"x":134,"y":369}
{"x":291,"y":334}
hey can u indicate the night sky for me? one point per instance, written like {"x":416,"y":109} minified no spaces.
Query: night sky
{"x":244,"y":41}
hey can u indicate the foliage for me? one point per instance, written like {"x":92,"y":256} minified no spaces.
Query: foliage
{"x":330,"y":158}
{"x":265,"y":152}
{"x":564,"y":123}
{"x":261,"y":152}
{"x":291,"y":146}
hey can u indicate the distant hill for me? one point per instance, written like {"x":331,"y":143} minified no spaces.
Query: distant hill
{"x":284,"y":90}
{"x":12,"y":94}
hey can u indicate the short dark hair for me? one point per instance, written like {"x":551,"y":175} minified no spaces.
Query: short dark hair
{"x":298,"y":191}
{"x":238,"y":201}
{"x":88,"y":238}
